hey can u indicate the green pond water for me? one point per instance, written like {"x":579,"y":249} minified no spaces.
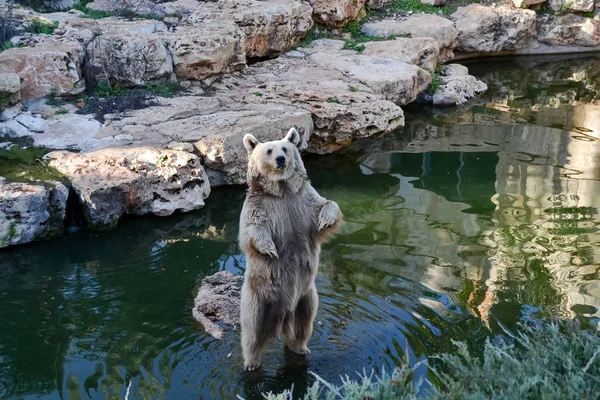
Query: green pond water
{"x":466,"y":222}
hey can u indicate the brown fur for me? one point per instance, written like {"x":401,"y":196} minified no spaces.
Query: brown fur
{"x":283,"y":223}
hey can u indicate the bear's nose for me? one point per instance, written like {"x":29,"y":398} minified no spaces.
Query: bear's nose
{"x":280,"y":161}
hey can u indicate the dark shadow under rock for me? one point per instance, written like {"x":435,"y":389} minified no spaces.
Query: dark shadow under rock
{"x":218,"y":302}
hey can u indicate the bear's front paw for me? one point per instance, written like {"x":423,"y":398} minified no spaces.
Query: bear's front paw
{"x":328,"y":216}
{"x":269,"y":251}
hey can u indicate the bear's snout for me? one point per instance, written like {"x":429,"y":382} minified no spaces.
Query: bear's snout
{"x":280,"y":162}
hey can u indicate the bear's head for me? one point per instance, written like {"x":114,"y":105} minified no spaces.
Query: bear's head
{"x":276,"y":163}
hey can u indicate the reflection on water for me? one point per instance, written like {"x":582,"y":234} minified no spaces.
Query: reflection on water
{"x":465,"y":220}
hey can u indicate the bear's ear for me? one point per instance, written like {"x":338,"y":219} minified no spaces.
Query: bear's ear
{"x":250,"y":142}
{"x":293,"y":137}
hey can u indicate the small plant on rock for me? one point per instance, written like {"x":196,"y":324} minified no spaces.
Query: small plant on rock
{"x":436,"y":82}
{"x":52,"y":100}
{"x":40,"y":26}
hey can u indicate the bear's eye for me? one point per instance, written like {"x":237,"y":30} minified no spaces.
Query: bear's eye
{"x":285,"y":149}
{"x":269,"y":151}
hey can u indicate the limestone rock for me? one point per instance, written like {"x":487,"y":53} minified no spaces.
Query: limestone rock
{"x":492,"y":29}
{"x":434,"y":2}
{"x":10,"y":89}
{"x":180,"y":8}
{"x":59,"y":132}
{"x":395,"y":80}
{"x":336,"y":13}
{"x":214,"y":47}
{"x":129,"y":53}
{"x":422,"y":52}
{"x":572,"y":5}
{"x":117,"y":181}
{"x":457,"y":86}
{"x":128,"y":7}
{"x":568,"y":30}
{"x":343,"y":108}
{"x":521,"y":3}
{"x":31,"y":211}
{"x":418,"y":26}
{"x":377,"y":4}
{"x":218,"y":300}
{"x":216,"y":126}
{"x":271,"y":27}
{"x":46,"y":67}
{"x":223,"y":150}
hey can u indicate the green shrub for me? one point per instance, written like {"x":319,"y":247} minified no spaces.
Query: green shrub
{"x":436,"y":82}
{"x":38,"y":25}
{"x":550,"y":361}
{"x":414,"y":5}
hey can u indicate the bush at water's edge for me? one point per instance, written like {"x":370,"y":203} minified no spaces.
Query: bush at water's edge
{"x":551,"y":361}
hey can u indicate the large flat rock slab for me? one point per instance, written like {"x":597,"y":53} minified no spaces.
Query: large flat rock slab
{"x":342,"y":107}
{"x":422,"y":52}
{"x":397,"y":81}
{"x":215,"y":126}
{"x":418,"y":26}
{"x":31,"y":211}
{"x":113,"y":182}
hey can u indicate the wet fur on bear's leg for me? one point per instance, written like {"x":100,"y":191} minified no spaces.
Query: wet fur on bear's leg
{"x":261,"y":321}
{"x":298,"y":327}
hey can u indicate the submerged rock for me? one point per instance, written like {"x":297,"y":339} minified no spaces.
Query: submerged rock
{"x":113,"y":182}
{"x":218,"y":301}
{"x":31,"y":211}
{"x":492,"y":29}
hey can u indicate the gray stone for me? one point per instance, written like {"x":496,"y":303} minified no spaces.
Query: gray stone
{"x":10,"y":89}
{"x":47,"y":67}
{"x":31,"y":211}
{"x":218,"y":300}
{"x":568,"y":30}
{"x":457,"y":87}
{"x":336,"y":13}
{"x":422,"y":52}
{"x":271,"y":27}
{"x":418,"y":26}
{"x":572,"y":5}
{"x":493,"y":29}
{"x":214,"y":47}
{"x":139,"y":181}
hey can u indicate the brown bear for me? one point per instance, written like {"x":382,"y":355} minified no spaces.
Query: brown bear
{"x":283,"y":223}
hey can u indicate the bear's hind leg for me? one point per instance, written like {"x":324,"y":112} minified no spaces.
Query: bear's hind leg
{"x":300,"y":326}
{"x":258,"y":326}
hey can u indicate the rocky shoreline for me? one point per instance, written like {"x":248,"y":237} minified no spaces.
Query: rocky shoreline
{"x":242,"y":66}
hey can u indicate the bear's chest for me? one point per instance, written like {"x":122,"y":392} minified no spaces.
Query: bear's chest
{"x":291,"y":217}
